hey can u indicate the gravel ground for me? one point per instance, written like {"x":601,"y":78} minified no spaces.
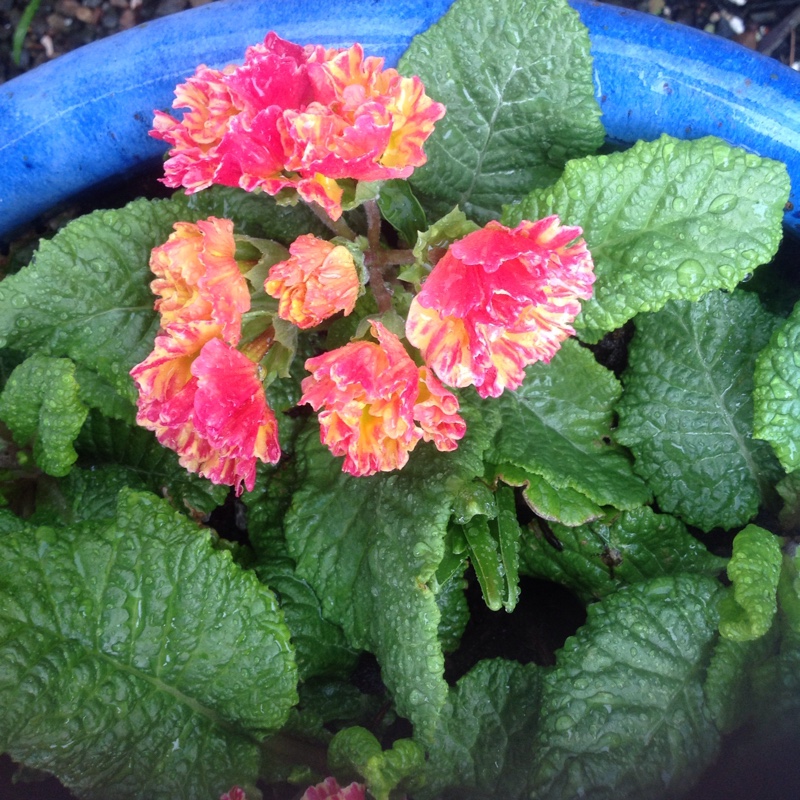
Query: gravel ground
{"x":63,"y":25}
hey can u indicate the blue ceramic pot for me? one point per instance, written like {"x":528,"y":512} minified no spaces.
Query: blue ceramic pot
{"x":83,"y":119}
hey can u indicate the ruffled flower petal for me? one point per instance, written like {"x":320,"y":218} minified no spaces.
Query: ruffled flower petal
{"x":319,"y":280}
{"x":499,"y":300}
{"x":203,"y":399}
{"x":197,"y":277}
{"x":329,"y":789}
{"x":370,"y":396}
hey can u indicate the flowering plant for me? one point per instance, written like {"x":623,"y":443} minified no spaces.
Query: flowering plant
{"x":403,"y":346}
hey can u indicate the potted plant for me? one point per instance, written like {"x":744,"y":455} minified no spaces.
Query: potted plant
{"x":362,"y":265}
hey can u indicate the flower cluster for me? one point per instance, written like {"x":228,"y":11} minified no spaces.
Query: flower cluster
{"x":297,"y":118}
{"x":305,"y":119}
{"x":200,"y":395}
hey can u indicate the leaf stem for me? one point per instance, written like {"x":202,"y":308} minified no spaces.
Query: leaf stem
{"x":338,"y":226}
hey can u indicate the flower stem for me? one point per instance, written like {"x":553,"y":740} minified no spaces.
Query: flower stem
{"x":338,"y":226}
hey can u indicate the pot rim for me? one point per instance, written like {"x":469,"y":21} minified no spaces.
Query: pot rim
{"x":82,"y":120}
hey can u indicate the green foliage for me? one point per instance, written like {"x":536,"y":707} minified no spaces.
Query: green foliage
{"x":687,"y":409}
{"x":624,"y":548}
{"x":402,"y":210}
{"x":41,"y":406}
{"x":776,"y":395}
{"x":108,"y":441}
{"x":519,"y":100}
{"x":558,"y":424}
{"x":106,"y":638}
{"x":623,"y":713}
{"x":484,"y":742}
{"x":747,"y":610}
{"x":356,"y":749}
{"x":665,"y":220}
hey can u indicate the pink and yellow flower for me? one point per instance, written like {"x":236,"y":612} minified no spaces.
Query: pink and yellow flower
{"x":499,"y":300}
{"x":302,"y":118}
{"x":197,"y":277}
{"x":369,"y":397}
{"x":203,"y":399}
{"x":329,"y":789}
{"x":319,"y":280}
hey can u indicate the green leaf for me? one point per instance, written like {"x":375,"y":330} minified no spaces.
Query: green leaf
{"x":623,"y":713}
{"x":484,"y":554}
{"x":624,"y":548}
{"x":557,"y":425}
{"x":41,"y":406}
{"x":748,"y":608}
{"x":108,"y":441}
{"x":665,"y":219}
{"x":136,"y":661}
{"x":730,"y":684}
{"x":515,"y":76}
{"x":370,"y":547}
{"x":320,"y":646}
{"x":687,"y":409}
{"x":402,"y":210}
{"x":788,"y":488}
{"x":776,"y":396}
{"x":102,"y":315}
{"x":454,"y":610}
{"x":565,"y":505}
{"x":255,"y":213}
{"x":356,"y":749}
{"x":483,"y":746}
{"x":789,"y":590}
{"x":508,"y":535}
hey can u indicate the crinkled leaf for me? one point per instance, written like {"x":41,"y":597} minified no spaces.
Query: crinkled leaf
{"x":665,"y":219}
{"x":623,"y":713}
{"x":369,"y":547}
{"x":453,"y":608}
{"x":748,"y":608}
{"x":789,"y":590}
{"x":357,"y":750}
{"x":776,"y":397}
{"x":84,"y":495}
{"x":98,"y":393}
{"x":255,"y":213}
{"x":320,"y":646}
{"x":483,"y":745}
{"x":788,"y":488}
{"x":86,"y":294}
{"x":515,"y":76}
{"x":687,"y":409}
{"x":557,"y":425}
{"x":729,"y":686}
{"x":565,"y":505}
{"x":402,"y":210}
{"x":136,"y":660}
{"x":107,"y":441}
{"x":41,"y":406}
{"x":624,"y":548}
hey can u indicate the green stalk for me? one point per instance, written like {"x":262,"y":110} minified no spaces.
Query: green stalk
{"x":22,"y":29}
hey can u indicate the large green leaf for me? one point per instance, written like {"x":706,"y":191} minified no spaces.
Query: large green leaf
{"x":482,"y":748}
{"x":687,"y":409}
{"x":665,"y":219}
{"x":601,"y":557}
{"x":623,"y":713}
{"x":748,"y":608}
{"x":557,"y":425}
{"x":41,"y":406}
{"x":516,"y":78}
{"x":369,"y":547}
{"x":136,"y":661}
{"x":776,"y":395}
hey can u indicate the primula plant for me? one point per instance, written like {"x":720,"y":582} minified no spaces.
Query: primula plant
{"x":404,"y":345}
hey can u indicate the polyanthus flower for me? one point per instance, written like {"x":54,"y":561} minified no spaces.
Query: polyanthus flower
{"x":301,"y":118}
{"x":370,"y":396}
{"x":329,"y":789}
{"x":498,"y":300}
{"x":197,"y":277}
{"x":203,"y":399}
{"x":319,"y":280}
{"x":235,"y":793}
